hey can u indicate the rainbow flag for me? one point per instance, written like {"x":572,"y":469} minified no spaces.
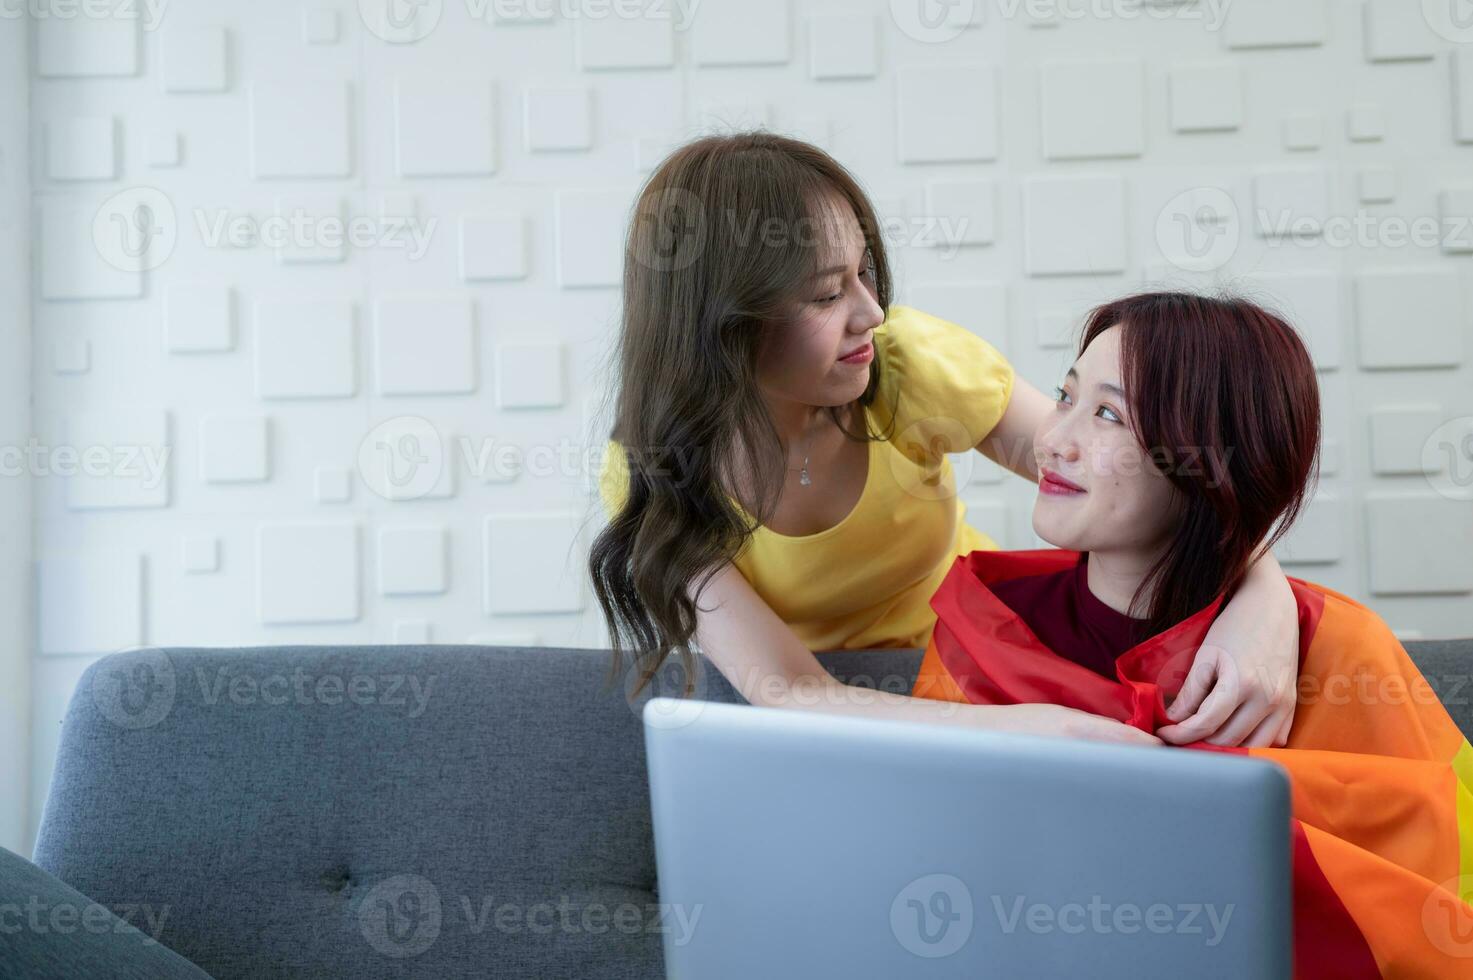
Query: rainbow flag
{"x":1381,"y":777}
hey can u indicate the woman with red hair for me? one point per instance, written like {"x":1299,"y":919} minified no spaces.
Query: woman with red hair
{"x":1183,"y":443}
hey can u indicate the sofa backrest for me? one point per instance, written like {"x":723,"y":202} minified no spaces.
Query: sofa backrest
{"x":363,"y":812}
{"x":386,"y":811}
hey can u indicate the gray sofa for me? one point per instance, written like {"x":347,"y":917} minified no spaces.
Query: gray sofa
{"x":369,"y":811}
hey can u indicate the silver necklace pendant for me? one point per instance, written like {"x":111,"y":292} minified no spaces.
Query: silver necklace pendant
{"x":803,"y":474}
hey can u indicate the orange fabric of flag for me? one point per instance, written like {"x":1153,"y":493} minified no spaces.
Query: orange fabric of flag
{"x":1381,"y":776}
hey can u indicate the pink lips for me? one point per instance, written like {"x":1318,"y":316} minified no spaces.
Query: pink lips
{"x":860,"y":356}
{"x":1055,"y":485}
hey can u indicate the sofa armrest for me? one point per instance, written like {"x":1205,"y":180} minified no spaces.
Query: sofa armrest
{"x":51,"y":931}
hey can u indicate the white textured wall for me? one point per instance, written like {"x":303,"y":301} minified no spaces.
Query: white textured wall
{"x":16,"y":595}
{"x":1041,"y":158}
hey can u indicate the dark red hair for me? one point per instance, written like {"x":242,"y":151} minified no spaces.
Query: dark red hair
{"x":1223,"y":398}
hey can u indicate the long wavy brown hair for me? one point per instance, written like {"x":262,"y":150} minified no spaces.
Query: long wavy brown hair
{"x":726,"y":235}
{"x":1224,"y":400}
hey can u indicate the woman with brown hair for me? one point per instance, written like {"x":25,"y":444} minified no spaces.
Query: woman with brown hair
{"x":779,"y":454}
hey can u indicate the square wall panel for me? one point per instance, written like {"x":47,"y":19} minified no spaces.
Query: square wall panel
{"x":411,"y":560}
{"x":1455,"y":210}
{"x":842,"y":46}
{"x":1303,"y":132}
{"x":1055,"y":329}
{"x":590,"y":236}
{"x":200,"y":554}
{"x":82,"y":148}
{"x":493,"y":246}
{"x":529,"y":375}
{"x":947,"y":113}
{"x":323,"y":234}
{"x":424,"y":344}
{"x":331,"y":485}
{"x":320,"y":25}
{"x":981,"y":307}
{"x":1093,"y":109}
{"x":964,"y":212}
{"x":1274,"y":24}
{"x":558,"y":117}
{"x":198,"y":317}
{"x":1376,"y":185}
{"x":122,"y":458}
{"x":623,"y":43}
{"x":1410,"y":318}
{"x":163,"y":149}
{"x":300,"y":128}
{"x":234,"y":449}
{"x":1398,"y":434}
{"x":1291,"y":201}
{"x":1318,"y":536}
{"x":1313,"y":304}
{"x":1366,"y":122}
{"x":1462,"y":66}
{"x":741,"y":32}
{"x":89,"y":604}
{"x":1074,"y":225}
{"x":445,"y":126}
{"x":194,"y":59}
{"x":1206,"y":97}
{"x":72,"y":266}
{"x":531,"y":564}
{"x":71,"y":356}
{"x":87,"y":47}
{"x":305,"y":348}
{"x":1396,"y":30}
{"x":307,"y":572}
{"x":1419,"y":544}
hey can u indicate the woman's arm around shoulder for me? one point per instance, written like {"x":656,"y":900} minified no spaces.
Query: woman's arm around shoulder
{"x":770,"y":666}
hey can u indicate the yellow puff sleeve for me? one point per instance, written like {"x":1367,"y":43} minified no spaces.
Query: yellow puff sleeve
{"x":613,"y":479}
{"x":946,"y":388}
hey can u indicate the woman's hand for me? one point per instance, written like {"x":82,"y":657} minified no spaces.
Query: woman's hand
{"x":1242,"y":687}
{"x":1054,"y":719}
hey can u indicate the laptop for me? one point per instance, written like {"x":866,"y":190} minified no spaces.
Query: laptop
{"x":791,"y":843}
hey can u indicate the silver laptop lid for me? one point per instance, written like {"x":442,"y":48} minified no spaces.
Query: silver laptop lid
{"x":795,"y":844}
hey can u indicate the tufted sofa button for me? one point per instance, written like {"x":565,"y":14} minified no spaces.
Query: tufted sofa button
{"x":336,"y":880}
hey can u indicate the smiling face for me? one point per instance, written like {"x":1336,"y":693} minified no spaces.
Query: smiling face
{"x":836,"y":314}
{"x":1098,"y":490}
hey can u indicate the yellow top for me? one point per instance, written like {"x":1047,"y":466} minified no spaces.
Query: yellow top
{"x":868,"y":580}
